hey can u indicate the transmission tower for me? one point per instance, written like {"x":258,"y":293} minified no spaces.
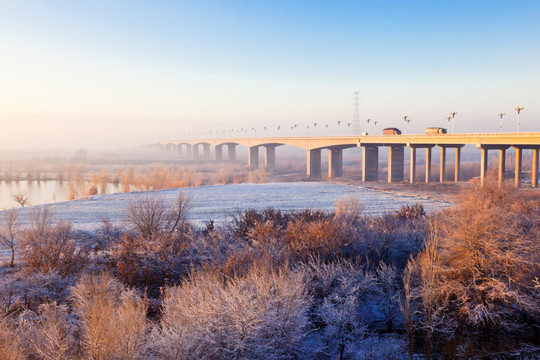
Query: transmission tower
{"x":356,"y":112}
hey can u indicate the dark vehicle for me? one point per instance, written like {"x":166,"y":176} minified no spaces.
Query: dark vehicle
{"x":391,"y":131}
{"x":435,"y":130}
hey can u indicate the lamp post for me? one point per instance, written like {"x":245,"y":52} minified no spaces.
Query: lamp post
{"x":518,"y":109}
{"x":500,"y":122}
{"x":368,"y":121}
{"x":407,"y":122}
{"x":453,"y":115}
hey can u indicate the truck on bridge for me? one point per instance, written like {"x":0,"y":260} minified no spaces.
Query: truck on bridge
{"x":391,"y":131}
{"x":435,"y":130}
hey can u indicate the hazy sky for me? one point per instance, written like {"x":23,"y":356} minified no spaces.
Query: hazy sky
{"x":114,"y":73}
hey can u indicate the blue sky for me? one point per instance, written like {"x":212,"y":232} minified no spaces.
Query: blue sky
{"x":115,"y":73}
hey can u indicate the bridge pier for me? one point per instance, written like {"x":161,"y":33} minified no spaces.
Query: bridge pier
{"x":485,"y":159}
{"x":483,"y":165}
{"x":442,"y":163}
{"x":195,"y":152}
{"x":412,"y":164}
{"x":502,"y":165}
{"x":370,"y":162}
{"x":270,"y":157}
{"x":314,"y":163}
{"x":395,"y":163}
{"x":218,"y":150}
{"x":457,"y":163}
{"x":206,"y":149}
{"x":534,"y":176}
{"x":428,"y":164}
{"x":335,"y":162}
{"x":232,"y":152}
{"x":253,"y":157}
{"x":519,"y":167}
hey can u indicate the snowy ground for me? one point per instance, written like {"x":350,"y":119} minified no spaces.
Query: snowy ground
{"x":218,"y":202}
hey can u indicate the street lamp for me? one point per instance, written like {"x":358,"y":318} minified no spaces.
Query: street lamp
{"x":500,"y":123}
{"x":453,"y":115}
{"x":367,"y":121}
{"x":518,"y":109}
{"x":407,"y":121}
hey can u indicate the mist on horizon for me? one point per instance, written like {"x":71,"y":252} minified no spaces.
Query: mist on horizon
{"x":108,"y":75}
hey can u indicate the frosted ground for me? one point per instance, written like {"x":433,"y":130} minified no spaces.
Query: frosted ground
{"x":219,"y":202}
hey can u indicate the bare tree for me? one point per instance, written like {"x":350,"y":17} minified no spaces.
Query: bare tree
{"x":9,"y":231}
{"x":21,"y":198}
{"x":151,"y":215}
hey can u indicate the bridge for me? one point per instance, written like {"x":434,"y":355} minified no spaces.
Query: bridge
{"x":199,"y":149}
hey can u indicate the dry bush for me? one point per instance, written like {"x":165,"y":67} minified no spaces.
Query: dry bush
{"x":321,"y":238}
{"x":408,"y":212}
{"x":127,"y":179}
{"x":349,"y":207}
{"x":224,"y":175}
{"x":257,"y":176}
{"x":150,"y":263}
{"x":49,"y":247}
{"x":20,"y":291}
{"x":150,"y":216}
{"x":257,"y":316}
{"x":49,"y":333}
{"x":476,"y":275}
{"x":72,"y":192}
{"x":342,"y":296}
{"x":113,"y":319}
{"x":9,"y":231}
{"x":104,"y":180}
{"x":11,"y":347}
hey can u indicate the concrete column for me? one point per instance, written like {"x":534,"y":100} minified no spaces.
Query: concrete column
{"x":179,"y":150}
{"x":370,"y":163}
{"x":502,"y":165}
{"x":188,"y":151}
{"x":335,"y":163}
{"x":195,"y":152}
{"x":442,"y":171}
{"x":534,"y":176}
{"x":519,"y":159}
{"x":457,"y":165}
{"x":483,"y":165}
{"x":206,"y":149}
{"x":253,"y":157}
{"x":395,"y":163}
{"x":232,"y":152}
{"x":412,"y":171}
{"x":270,"y":157}
{"x":314,"y":163}
{"x":428,"y":164}
{"x":218,"y":152}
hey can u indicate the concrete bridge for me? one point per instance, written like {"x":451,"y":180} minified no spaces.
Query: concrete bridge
{"x":199,"y":149}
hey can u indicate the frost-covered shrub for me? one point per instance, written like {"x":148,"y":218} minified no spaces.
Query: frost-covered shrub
{"x":50,"y":247}
{"x":475,"y":278}
{"x":150,"y":216}
{"x":113,"y":320}
{"x":48,"y":333}
{"x":150,"y":263}
{"x":19,"y":291}
{"x":381,"y":348}
{"x":11,"y":347}
{"x":261,"y":315}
